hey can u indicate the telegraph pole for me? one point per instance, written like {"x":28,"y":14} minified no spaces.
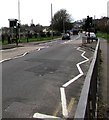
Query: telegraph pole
{"x":19,"y":17}
{"x":52,"y":19}
{"x":108,"y":9}
{"x":63,"y":26}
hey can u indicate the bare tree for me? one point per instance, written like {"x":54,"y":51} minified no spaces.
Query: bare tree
{"x":62,"y":21}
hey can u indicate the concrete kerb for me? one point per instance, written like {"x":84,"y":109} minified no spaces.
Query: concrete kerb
{"x":16,"y":53}
{"x":29,"y":47}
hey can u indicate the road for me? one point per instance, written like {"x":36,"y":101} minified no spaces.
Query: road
{"x":35,"y":84}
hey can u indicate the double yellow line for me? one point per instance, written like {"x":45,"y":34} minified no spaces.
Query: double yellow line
{"x":59,"y":107}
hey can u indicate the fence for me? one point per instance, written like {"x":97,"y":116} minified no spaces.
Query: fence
{"x":86,"y":109}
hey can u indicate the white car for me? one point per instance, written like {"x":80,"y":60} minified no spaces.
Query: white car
{"x":92,"y":36}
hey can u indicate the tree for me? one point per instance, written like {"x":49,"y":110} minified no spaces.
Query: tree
{"x":61,"y":21}
{"x":103,"y":25}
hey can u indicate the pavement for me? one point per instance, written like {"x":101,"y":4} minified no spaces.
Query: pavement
{"x":103,"y":107}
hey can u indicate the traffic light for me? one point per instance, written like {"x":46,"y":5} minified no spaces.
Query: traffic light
{"x":88,"y":22}
{"x":18,"y":25}
{"x":13,"y":23}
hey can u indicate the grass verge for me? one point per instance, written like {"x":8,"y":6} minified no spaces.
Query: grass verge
{"x":38,"y":39}
{"x":103,"y":35}
{"x":32,"y":40}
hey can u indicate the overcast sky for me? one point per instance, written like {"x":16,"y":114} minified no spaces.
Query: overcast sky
{"x":40,"y":10}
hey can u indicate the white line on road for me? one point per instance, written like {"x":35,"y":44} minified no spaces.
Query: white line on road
{"x":62,"y":89}
{"x":43,"y":116}
{"x":39,"y":49}
{"x":71,"y":40}
{"x":1,"y":61}
{"x":78,"y":37}
{"x":20,"y":55}
{"x":79,"y":68}
{"x":72,"y":80}
{"x":64,"y":102}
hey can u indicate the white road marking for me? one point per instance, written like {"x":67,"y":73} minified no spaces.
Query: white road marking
{"x":39,"y":49}
{"x":39,"y":115}
{"x":77,"y":37}
{"x":71,"y":40}
{"x":1,"y":61}
{"x":20,"y":55}
{"x":79,"y":68}
{"x":62,"y":89}
{"x":14,"y":57}
{"x":64,"y":102}
{"x":72,"y":80}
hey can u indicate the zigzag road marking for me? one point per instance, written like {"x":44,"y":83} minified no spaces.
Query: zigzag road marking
{"x":65,"y":108}
{"x":63,"y":95}
{"x":79,"y":68}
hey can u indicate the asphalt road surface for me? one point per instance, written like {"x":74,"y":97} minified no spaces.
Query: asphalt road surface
{"x":33,"y":84}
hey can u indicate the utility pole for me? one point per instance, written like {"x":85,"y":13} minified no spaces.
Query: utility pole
{"x":52,"y":20}
{"x":108,"y":9}
{"x":19,"y":18}
{"x":63,"y":26}
{"x":94,"y":21}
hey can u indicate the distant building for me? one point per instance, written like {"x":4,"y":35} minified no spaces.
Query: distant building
{"x":46,"y":29}
{"x":78,"y":24}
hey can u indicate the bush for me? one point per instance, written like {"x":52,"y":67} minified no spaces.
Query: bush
{"x":42,"y":34}
{"x":48,"y":34}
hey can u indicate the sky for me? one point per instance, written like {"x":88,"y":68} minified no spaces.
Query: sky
{"x":40,"y":10}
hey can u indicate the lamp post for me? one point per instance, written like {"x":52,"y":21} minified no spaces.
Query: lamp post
{"x":19,"y":18}
{"x":63,"y":26}
{"x":52,"y":20}
{"x":108,"y":9}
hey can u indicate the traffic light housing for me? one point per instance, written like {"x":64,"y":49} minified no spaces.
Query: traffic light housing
{"x":18,"y":25}
{"x":88,"y":23}
{"x":13,"y":23}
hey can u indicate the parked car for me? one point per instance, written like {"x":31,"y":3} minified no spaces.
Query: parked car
{"x":66,"y":36}
{"x":75,"y":31}
{"x":92,"y":36}
{"x":86,"y":33}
